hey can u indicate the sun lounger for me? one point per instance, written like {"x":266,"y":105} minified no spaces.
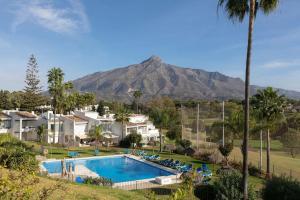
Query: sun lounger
{"x":73,"y":154}
{"x":186,"y":168}
{"x":127,"y":151}
{"x":97,"y":152}
{"x":204,"y":170}
{"x":79,"y":179}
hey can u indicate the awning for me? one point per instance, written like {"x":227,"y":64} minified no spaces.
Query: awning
{"x":109,"y":135}
{"x":82,"y":136}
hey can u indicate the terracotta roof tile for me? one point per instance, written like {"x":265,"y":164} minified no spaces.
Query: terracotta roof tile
{"x":4,"y":116}
{"x":76,"y":118}
{"x":136,"y":124}
{"x":25,"y":114}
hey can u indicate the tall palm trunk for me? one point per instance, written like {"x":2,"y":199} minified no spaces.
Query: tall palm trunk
{"x":160,"y":139}
{"x":268,"y":175}
{"x":247,"y":91}
{"x":122,"y":129}
{"x":54,"y":125}
{"x":260,"y":153}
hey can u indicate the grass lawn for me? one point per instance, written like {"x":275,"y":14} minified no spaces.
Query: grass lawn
{"x":69,"y":190}
{"x":62,"y":152}
{"x":282,"y":162}
{"x":276,"y":145}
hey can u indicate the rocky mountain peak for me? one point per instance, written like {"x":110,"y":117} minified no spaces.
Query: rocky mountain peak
{"x":156,"y":78}
{"x":153,"y":59}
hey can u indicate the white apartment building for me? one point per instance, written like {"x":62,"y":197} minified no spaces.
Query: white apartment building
{"x":47,"y":119}
{"x":21,"y":124}
{"x":5,"y":123}
{"x":72,"y":129}
{"x":142,"y":125}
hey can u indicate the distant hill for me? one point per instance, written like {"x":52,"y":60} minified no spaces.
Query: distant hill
{"x":156,"y":78}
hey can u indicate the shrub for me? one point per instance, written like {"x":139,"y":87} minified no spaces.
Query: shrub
{"x":98,"y":181}
{"x":203,"y":156}
{"x":22,"y":186}
{"x":8,"y":141}
{"x":226,"y":150}
{"x":182,"y":146}
{"x":205,"y":192}
{"x":18,"y":159}
{"x":179,"y":150}
{"x":184,"y":191}
{"x":132,"y":138}
{"x":279,"y":188}
{"x":229,"y":186}
{"x":125,"y":143}
{"x":184,"y":143}
{"x":236,"y":165}
{"x":174,"y":133}
{"x":15,"y":154}
{"x":253,"y":170}
{"x":189,"y":151}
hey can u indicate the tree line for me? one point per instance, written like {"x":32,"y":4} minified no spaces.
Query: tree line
{"x":62,"y":95}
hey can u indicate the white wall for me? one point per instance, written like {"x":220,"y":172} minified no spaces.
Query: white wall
{"x":138,"y":118}
{"x":117,"y":130}
{"x":81,"y":130}
{"x":90,"y":114}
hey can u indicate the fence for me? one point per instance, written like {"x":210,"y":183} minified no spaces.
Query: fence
{"x":209,"y":112}
{"x":143,"y":184}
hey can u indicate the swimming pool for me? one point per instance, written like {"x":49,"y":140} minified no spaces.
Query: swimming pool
{"x":116,"y":168}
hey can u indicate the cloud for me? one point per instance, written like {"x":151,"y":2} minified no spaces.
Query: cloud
{"x":281,"y":64}
{"x":67,"y":20}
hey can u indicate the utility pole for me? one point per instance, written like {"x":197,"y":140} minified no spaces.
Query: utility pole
{"x":198,"y":127}
{"x":223,"y":135}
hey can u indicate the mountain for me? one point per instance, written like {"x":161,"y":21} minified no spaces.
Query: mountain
{"x":156,"y":78}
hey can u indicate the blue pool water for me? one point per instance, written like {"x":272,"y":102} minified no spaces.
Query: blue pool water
{"x":118,"y":169}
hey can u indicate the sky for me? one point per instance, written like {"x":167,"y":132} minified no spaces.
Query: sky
{"x":84,"y":37}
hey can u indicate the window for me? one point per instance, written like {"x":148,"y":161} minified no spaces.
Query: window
{"x":5,"y":124}
{"x":66,"y":138}
{"x":52,"y":127}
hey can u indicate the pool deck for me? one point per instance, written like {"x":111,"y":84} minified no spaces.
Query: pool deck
{"x":81,"y":170}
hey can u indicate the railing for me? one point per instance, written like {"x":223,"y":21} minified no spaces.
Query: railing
{"x":142,"y":184}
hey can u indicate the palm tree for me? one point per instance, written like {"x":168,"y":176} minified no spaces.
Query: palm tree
{"x":234,"y":123}
{"x":237,"y":10}
{"x":96,"y":134}
{"x":58,"y":89}
{"x":137,"y":95}
{"x":55,"y":86}
{"x":269,"y":108}
{"x":160,"y":119}
{"x":122,"y":116}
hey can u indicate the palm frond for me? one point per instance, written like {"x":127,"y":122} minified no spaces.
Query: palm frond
{"x":235,"y":9}
{"x":268,"y":6}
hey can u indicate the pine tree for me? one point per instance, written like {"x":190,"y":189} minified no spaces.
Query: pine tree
{"x":100,"y":108}
{"x":5,"y":103}
{"x":32,"y":91}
